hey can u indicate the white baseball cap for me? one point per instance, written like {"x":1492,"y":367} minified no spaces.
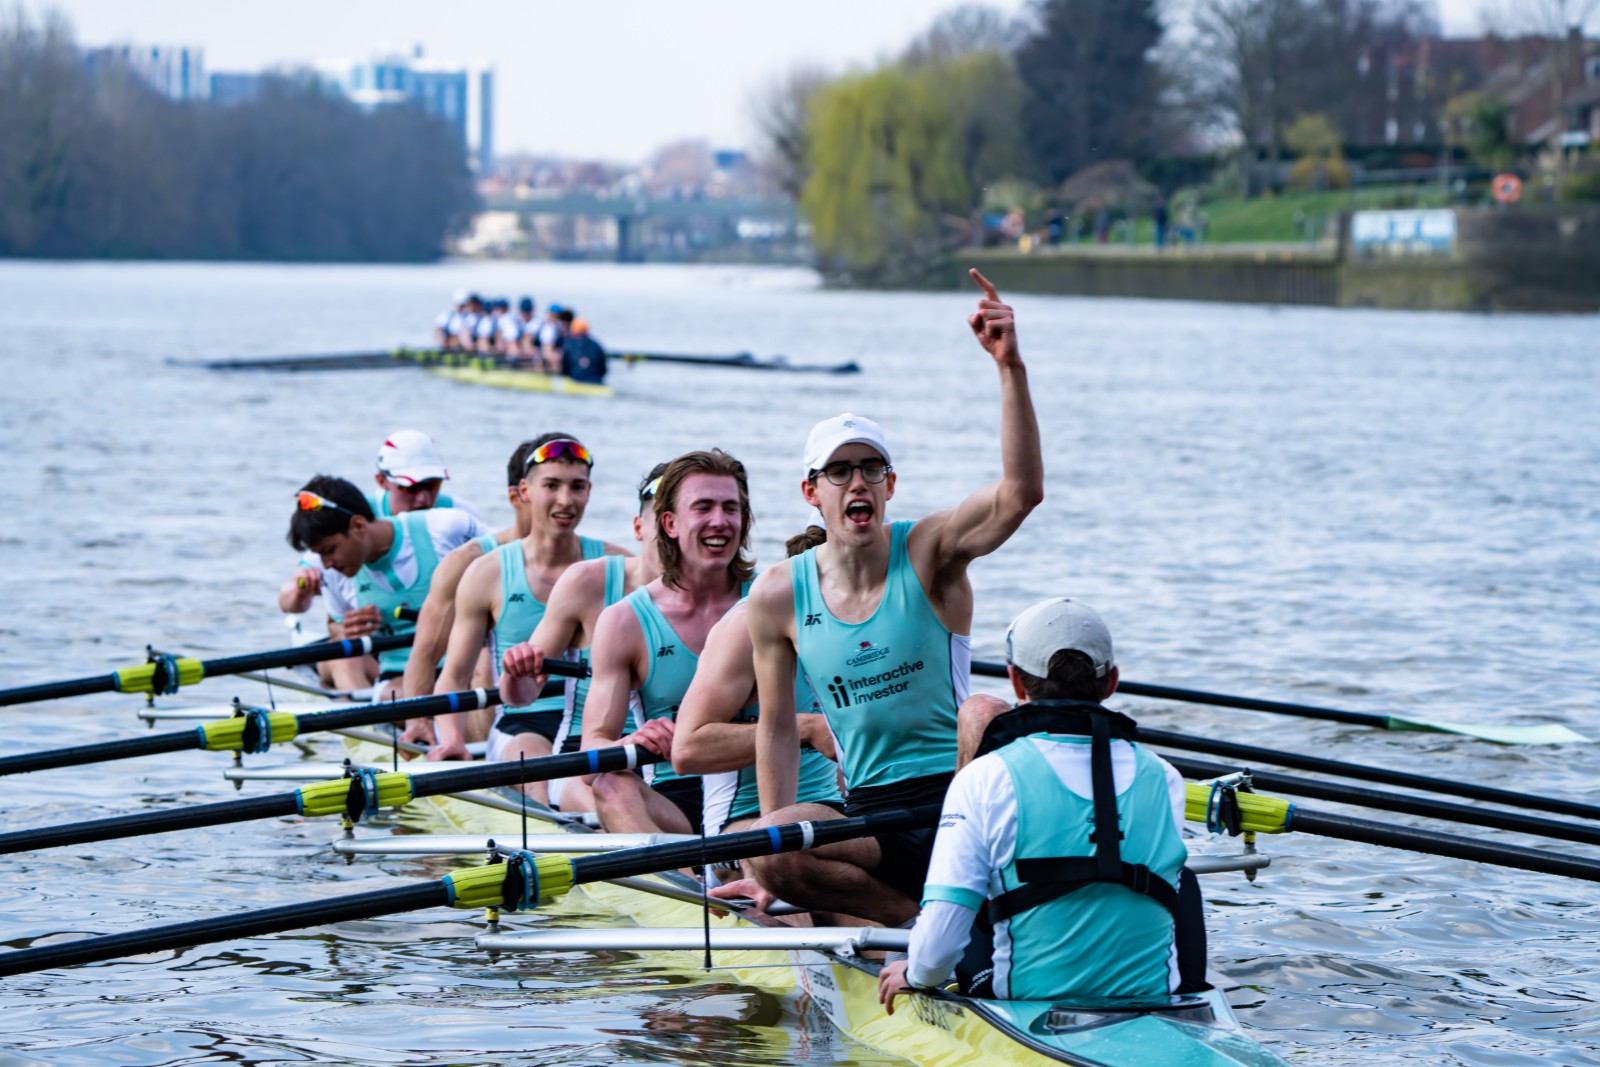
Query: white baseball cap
{"x":409,"y":457}
{"x":830,"y":435}
{"x":1052,"y":625}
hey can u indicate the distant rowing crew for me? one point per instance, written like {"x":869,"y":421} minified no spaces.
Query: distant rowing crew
{"x":558,"y":344}
{"x":720,"y":671}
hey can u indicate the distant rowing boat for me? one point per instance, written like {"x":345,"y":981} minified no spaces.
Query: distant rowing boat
{"x":431,"y":357}
{"x":525,"y":380}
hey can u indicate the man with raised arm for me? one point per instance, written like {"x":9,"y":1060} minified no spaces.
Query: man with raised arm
{"x":570,"y":617}
{"x":878,"y":620}
{"x":650,"y":643}
{"x":503,"y":595}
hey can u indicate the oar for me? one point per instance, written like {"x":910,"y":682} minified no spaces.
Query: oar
{"x":524,"y":881}
{"x":356,"y":796}
{"x":743,"y":361}
{"x":1504,"y":735}
{"x":1398,"y":802}
{"x":258,"y":729}
{"x":165,"y":674}
{"x":1253,"y":755}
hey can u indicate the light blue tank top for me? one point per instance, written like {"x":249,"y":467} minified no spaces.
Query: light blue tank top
{"x":411,"y":528}
{"x":578,"y":688}
{"x":521,"y":611}
{"x":890,"y":685}
{"x":731,"y":795}
{"x":672,"y":668}
{"x":1102,"y":940}
{"x":379,"y":503}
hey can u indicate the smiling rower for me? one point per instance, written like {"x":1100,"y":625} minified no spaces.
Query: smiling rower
{"x":503,"y":595}
{"x":878,"y":619}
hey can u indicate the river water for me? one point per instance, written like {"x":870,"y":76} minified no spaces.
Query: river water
{"x":1389,"y":512}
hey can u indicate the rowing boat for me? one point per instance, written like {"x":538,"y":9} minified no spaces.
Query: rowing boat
{"x":827,"y":967}
{"x":524,"y":380}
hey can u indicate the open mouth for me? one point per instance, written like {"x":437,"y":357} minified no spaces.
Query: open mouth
{"x":858,"y":512}
{"x":715,"y":544}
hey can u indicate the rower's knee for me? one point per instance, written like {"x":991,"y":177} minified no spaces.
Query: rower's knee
{"x":614,"y":787}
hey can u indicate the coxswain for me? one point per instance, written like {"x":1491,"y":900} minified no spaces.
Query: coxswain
{"x":716,"y":730}
{"x":582,"y":359}
{"x":580,"y":595}
{"x":370,"y":566}
{"x":878,"y":619}
{"x":650,"y":643}
{"x":1063,"y":840}
{"x":503,"y":595}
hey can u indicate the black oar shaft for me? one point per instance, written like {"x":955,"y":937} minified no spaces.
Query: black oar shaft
{"x":346,"y":908}
{"x":100,"y":752}
{"x":1426,"y":807}
{"x":1253,"y":754}
{"x":435,"y":783}
{"x":1220,"y":700}
{"x":1412,"y":839}
{"x":747,"y":843}
{"x":149,"y":822}
{"x":212,"y":668}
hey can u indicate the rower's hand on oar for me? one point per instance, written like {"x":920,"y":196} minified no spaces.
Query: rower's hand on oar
{"x":655,"y":735}
{"x":994,"y":324}
{"x":300,"y":590}
{"x":522,"y":674}
{"x":449,"y":750}
{"x":417,"y":732}
{"x":362,"y":622}
{"x":892,"y":983}
{"x":814,"y":733}
{"x":744,"y":889}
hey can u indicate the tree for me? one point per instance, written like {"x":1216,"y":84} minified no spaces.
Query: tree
{"x":1319,"y":157}
{"x":898,"y":158}
{"x":781,"y":109}
{"x":1092,"y":85}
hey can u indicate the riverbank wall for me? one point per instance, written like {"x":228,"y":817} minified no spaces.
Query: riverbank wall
{"x":1458,"y":259}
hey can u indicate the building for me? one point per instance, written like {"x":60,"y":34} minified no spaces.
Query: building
{"x":463,"y":97}
{"x":177,"y":73}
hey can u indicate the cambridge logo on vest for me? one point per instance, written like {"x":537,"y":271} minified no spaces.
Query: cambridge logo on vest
{"x":866,"y":653}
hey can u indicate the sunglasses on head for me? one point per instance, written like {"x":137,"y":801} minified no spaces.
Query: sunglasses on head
{"x":840,"y":472}
{"x":562,"y":449}
{"x":309,"y":501}
{"x":650,"y":490}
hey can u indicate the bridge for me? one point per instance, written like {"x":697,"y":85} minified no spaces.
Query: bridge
{"x":629,"y":210}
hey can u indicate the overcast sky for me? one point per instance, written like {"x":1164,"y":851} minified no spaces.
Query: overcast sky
{"x":612,"y":79}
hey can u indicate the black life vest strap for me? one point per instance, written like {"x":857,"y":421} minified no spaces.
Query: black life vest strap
{"x":1050,"y":879}
{"x":1071,"y":717}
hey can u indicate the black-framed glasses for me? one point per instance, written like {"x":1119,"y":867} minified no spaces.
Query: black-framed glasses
{"x":840,"y":471}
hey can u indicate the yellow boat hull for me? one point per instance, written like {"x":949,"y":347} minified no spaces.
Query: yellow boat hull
{"x":527,"y":381}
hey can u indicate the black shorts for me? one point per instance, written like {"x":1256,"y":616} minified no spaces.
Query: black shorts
{"x":544,"y":723}
{"x":688,"y":795}
{"x":906,"y":853}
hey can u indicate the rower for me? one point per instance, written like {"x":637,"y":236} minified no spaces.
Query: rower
{"x":526,"y":349}
{"x":439,"y":609}
{"x":552,"y":335}
{"x":486,"y":336}
{"x":503,"y":595}
{"x":448,"y":322}
{"x":649,"y":644}
{"x":373,"y":566}
{"x":411,"y":474}
{"x":716,"y":730}
{"x":1084,"y":883}
{"x":570,"y":616}
{"x":877,"y":618}
{"x":466,"y":335}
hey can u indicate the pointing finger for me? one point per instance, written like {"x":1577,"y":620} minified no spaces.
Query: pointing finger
{"x":983,"y":283}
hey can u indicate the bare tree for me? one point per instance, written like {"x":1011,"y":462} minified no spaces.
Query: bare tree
{"x":964,"y":29}
{"x":781,"y":110}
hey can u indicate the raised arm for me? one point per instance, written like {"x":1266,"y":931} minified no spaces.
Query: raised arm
{"x":770,"y":616}
{"x":984,"y":520}
{"x":707,"y":739}
{"x":473,"y":603}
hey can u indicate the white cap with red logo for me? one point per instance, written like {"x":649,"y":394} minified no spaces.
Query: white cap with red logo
{"x":409,"y":457}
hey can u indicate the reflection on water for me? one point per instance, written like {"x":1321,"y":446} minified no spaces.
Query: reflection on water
{"x":1388,"y":512}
